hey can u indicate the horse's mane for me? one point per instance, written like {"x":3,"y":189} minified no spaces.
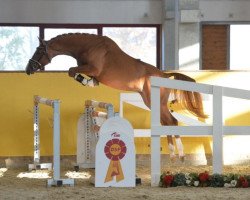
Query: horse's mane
{"x":65,"y":35}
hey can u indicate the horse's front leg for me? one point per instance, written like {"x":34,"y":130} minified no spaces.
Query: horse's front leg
{"x":75,"y":73}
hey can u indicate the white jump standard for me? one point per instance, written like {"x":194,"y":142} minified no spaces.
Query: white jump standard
{"x":115,"y":154}
{"x":55,"y":104}
{"x":88,"y":127}
{"x":106,"y":142}
{"x":37,"y":165}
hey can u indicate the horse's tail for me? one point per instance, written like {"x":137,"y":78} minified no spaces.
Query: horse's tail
{"x":192,"y":101}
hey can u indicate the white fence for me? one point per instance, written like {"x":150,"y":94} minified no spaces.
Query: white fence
{"x":135,"y":99}
{"x":217,"y":130}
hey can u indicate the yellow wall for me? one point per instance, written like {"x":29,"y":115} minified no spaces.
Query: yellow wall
{"x":16,"y":110}
{"x":16,"y":101}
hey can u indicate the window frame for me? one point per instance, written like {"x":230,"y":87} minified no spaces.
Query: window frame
{"x":99,"y":28}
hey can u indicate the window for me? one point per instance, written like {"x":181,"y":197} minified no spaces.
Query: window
{"x":139,"y":43}
{"x":18,"y":43}
{"x":63,"y":62}
{"x":215,"y":47}
{"x":239,"y":47}
{"x":226,"y":46}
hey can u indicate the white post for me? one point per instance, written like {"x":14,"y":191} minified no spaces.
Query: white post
{"x":170,"y":34}
{"x":36,"y":136}
{"x":176,"y":31}
{"x":121,"y":106}
{"x":217,"y":130}
{"x":155,"y":139}
{"x":56,"y":139}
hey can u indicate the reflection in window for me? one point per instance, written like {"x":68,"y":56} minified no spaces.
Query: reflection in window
{"x":63,"y":62}
{"x":139,"y":43}
{"x":239,"y":47}
{"x":17,"y":45}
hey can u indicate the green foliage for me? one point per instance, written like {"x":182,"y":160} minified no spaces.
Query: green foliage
{"x":204,"y":180}
{"x":217,"y":180}
{"x":229,"y":177}
{"x":194,"y":176}
{"x":179,"y":179}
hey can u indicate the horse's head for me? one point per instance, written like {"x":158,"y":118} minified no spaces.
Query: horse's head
{"x":39,"y":59}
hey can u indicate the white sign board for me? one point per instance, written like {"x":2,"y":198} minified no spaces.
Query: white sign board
{"x":115,"y":154}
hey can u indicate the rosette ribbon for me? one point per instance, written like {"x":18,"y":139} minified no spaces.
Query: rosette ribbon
{"x":115,"y":150}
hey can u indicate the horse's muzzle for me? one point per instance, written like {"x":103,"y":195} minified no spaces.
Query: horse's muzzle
{"x":29,"y":69}
{"x":33,"y":66}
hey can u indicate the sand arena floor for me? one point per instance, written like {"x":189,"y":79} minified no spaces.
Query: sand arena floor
{"x":23,"y":185}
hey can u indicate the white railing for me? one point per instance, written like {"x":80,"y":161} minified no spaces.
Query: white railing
{"x":135,"y":99}
{"x":217,"y":130}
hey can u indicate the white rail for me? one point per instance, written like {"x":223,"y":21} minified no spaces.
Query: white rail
{"x":217,"y":130}
{"x":136,"y":100}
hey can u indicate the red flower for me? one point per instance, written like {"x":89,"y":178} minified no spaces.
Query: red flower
{"x":203,"y":177}
{"x":244,"y":184}
{"x":168,"y":179}
{"x":242,"y":179}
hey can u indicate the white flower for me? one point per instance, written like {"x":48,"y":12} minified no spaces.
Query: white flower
{"x":233,"y":183}
{"x":196,"y":183}
{"x":188,"y":182}
{"x":228,"y":185}
{"x":187,"y":176}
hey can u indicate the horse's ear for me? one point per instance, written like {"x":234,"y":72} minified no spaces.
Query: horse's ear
{"x":43,"y":42}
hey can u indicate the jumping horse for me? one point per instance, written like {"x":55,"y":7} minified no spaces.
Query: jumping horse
{"x":101,"y":59}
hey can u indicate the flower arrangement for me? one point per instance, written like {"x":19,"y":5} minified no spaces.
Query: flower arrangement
{"x":204,"y":179}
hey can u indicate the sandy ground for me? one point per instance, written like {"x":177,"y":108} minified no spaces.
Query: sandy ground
{"x":20,"y":185}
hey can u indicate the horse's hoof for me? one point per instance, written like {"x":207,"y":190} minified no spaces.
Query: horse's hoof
{"x":93,"y":82}
{"x":172,"y":158}
{"x":96,"y":82}
{"x":182,"y":158}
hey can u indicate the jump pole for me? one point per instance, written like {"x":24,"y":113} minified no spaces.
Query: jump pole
{"x":55,"y":104}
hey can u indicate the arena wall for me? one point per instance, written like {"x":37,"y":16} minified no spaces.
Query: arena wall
{"x":16,"y":101}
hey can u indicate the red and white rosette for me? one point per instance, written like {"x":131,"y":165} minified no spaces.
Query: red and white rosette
{"x":115,"y":150}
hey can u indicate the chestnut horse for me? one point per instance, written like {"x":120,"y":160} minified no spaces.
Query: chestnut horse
{"x":103,"y":61}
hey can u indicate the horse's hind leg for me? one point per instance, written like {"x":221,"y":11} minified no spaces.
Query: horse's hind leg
{"x":178,"y":141}
{"x":180,"y":147}
{"x":168,"y":120}
{"x":171,"y":148}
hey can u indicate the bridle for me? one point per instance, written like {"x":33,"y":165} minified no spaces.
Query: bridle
{"x":40,"y":52}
